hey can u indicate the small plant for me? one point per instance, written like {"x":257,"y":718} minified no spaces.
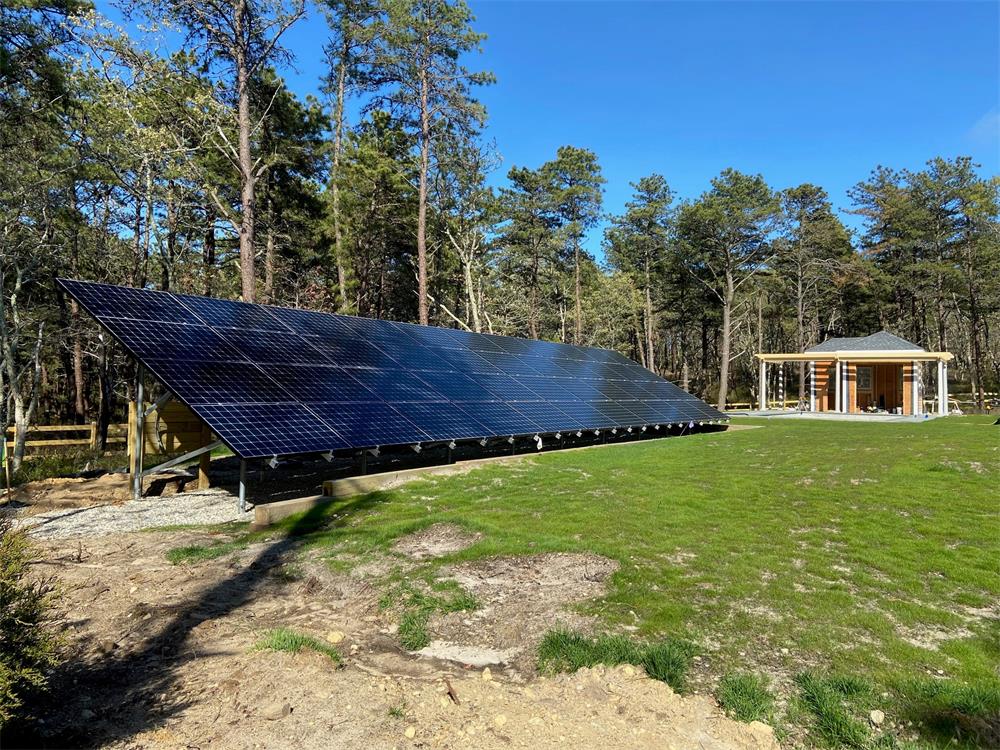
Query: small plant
{"x":668,"y":660}
{"x":398,"y":711}
{"x":417,"y":606}
{"x":746,"y":697}
{"x":283,"y":639}
{"x":413,"y":633}
{"x":28,"y":648}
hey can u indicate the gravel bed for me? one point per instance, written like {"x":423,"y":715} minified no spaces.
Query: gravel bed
{"x":197,"y":507}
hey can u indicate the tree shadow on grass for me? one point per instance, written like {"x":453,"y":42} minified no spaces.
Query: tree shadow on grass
{"x":133,"y":689}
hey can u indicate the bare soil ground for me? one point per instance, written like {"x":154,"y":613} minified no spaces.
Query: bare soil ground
{"x":163,"y":656}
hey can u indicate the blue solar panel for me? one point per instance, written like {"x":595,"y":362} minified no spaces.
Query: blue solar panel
{"x":271,"y":380}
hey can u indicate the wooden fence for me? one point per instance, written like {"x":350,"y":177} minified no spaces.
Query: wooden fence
{"x":54,"y":435}
{"x":172,"y":429}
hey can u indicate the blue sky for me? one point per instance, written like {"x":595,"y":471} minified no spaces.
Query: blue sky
{"x":799,"y":91}
{"x":803,"y":91}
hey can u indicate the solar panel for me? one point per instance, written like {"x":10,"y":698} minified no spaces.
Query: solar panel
{"x":275,"y":381}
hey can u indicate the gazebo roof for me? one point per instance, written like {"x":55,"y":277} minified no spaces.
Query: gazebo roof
{"x":883,"y":341}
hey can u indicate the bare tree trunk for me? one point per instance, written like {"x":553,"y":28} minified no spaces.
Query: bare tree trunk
{"x":727,"y":307}
{"x":170,"y":247}
{"x":533,"y":302}
{"x":269,"y":266}
{"x":338,"y":144}
{"x":247,"y":172}
{"x":209,"y":255}
{"x":79,"y":404}
{"x":425,"y":148}
{"x":650,"y":346}
{"x":578,"y":327}
{"x":800,"y":330}
{"x":25,"y":404}
{"x":975,"y":352}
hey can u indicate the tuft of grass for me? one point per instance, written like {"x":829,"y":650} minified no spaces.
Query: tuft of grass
{"x":565,"y":651}
{"x":284,"y":639}
{"x":952,"y":709}
{"x":417,"y":606}
{"x":412,"y":632}
{"x":398,"y":711}
{"x":200,"y":553}
{"x":746,"y":697}
{"x":829,"y":700}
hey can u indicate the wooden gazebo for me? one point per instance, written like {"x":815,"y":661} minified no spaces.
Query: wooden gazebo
{"x":880,"y":373}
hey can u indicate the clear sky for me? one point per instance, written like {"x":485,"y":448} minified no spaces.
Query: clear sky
{"x":803,"y":91}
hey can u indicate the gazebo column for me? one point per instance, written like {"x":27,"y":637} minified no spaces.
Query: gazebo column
{"x":845,"y":390}
{"x":942,"y":388}
{"x":763,"y":385}
{"x":812,"y":386}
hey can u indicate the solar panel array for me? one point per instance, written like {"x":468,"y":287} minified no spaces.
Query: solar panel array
{"x":277,"y":381}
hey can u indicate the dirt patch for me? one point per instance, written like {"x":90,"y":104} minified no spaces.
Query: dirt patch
{"x":163,"y":656}
{"x":80,"y":492}
{"x":436,"y":541}
{"x":520,"y":599}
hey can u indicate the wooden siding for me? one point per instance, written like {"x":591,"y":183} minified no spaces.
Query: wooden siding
{"x":892,"y":387}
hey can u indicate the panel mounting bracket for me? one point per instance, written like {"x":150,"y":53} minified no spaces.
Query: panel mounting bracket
{"x":182,"y":459}
{"x":168,"y":396}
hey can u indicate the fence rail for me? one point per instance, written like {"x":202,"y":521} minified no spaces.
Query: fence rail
{"x":49,"y":435}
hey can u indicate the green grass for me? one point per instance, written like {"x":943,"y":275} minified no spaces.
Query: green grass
{"x":283,"y":639}
{"x":415,"y":606}
{"x":844,"y":548}
{"x":199,"y":552}
{"x":835,"y":703}
{"x":746,"y":697}
{"x":667,"y":660}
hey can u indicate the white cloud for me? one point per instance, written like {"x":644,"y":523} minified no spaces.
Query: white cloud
{"x":987,"y":128}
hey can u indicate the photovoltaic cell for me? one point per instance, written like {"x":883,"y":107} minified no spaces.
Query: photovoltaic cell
{"x":255,"y":430}
{"x":180,"y":342}
{"x":197,"y":382}
{"x":368,"y":423}
{"x":442,"y":420}
{"x":319,"y":383}
{"x":271,"y":380}
{"x":221,"y":313}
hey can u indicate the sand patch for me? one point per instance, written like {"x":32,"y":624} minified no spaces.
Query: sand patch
{"x":435,"y":541}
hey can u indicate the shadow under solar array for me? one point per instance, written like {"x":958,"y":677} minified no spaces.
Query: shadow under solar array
{"x":278,"y":381}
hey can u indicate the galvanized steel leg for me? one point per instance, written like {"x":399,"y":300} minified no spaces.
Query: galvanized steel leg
{"x":243,"y":485}
{"x":140,"y":429}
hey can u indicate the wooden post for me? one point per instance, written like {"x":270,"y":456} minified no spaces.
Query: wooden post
{"x":838,"y":387}
{"x":6,"y":463}
{"x":130,"y":438}
{"x":205,"y":460}
{"x":93,"y":436}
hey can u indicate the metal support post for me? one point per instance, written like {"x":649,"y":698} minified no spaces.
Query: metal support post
{"x":140,"y":430}
{"x":243,"y":485}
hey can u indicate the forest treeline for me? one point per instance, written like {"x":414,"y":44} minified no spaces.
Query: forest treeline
{"x":169,"y":153}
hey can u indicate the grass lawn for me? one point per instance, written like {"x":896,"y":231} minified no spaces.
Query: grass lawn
{"x":797,"y":552}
